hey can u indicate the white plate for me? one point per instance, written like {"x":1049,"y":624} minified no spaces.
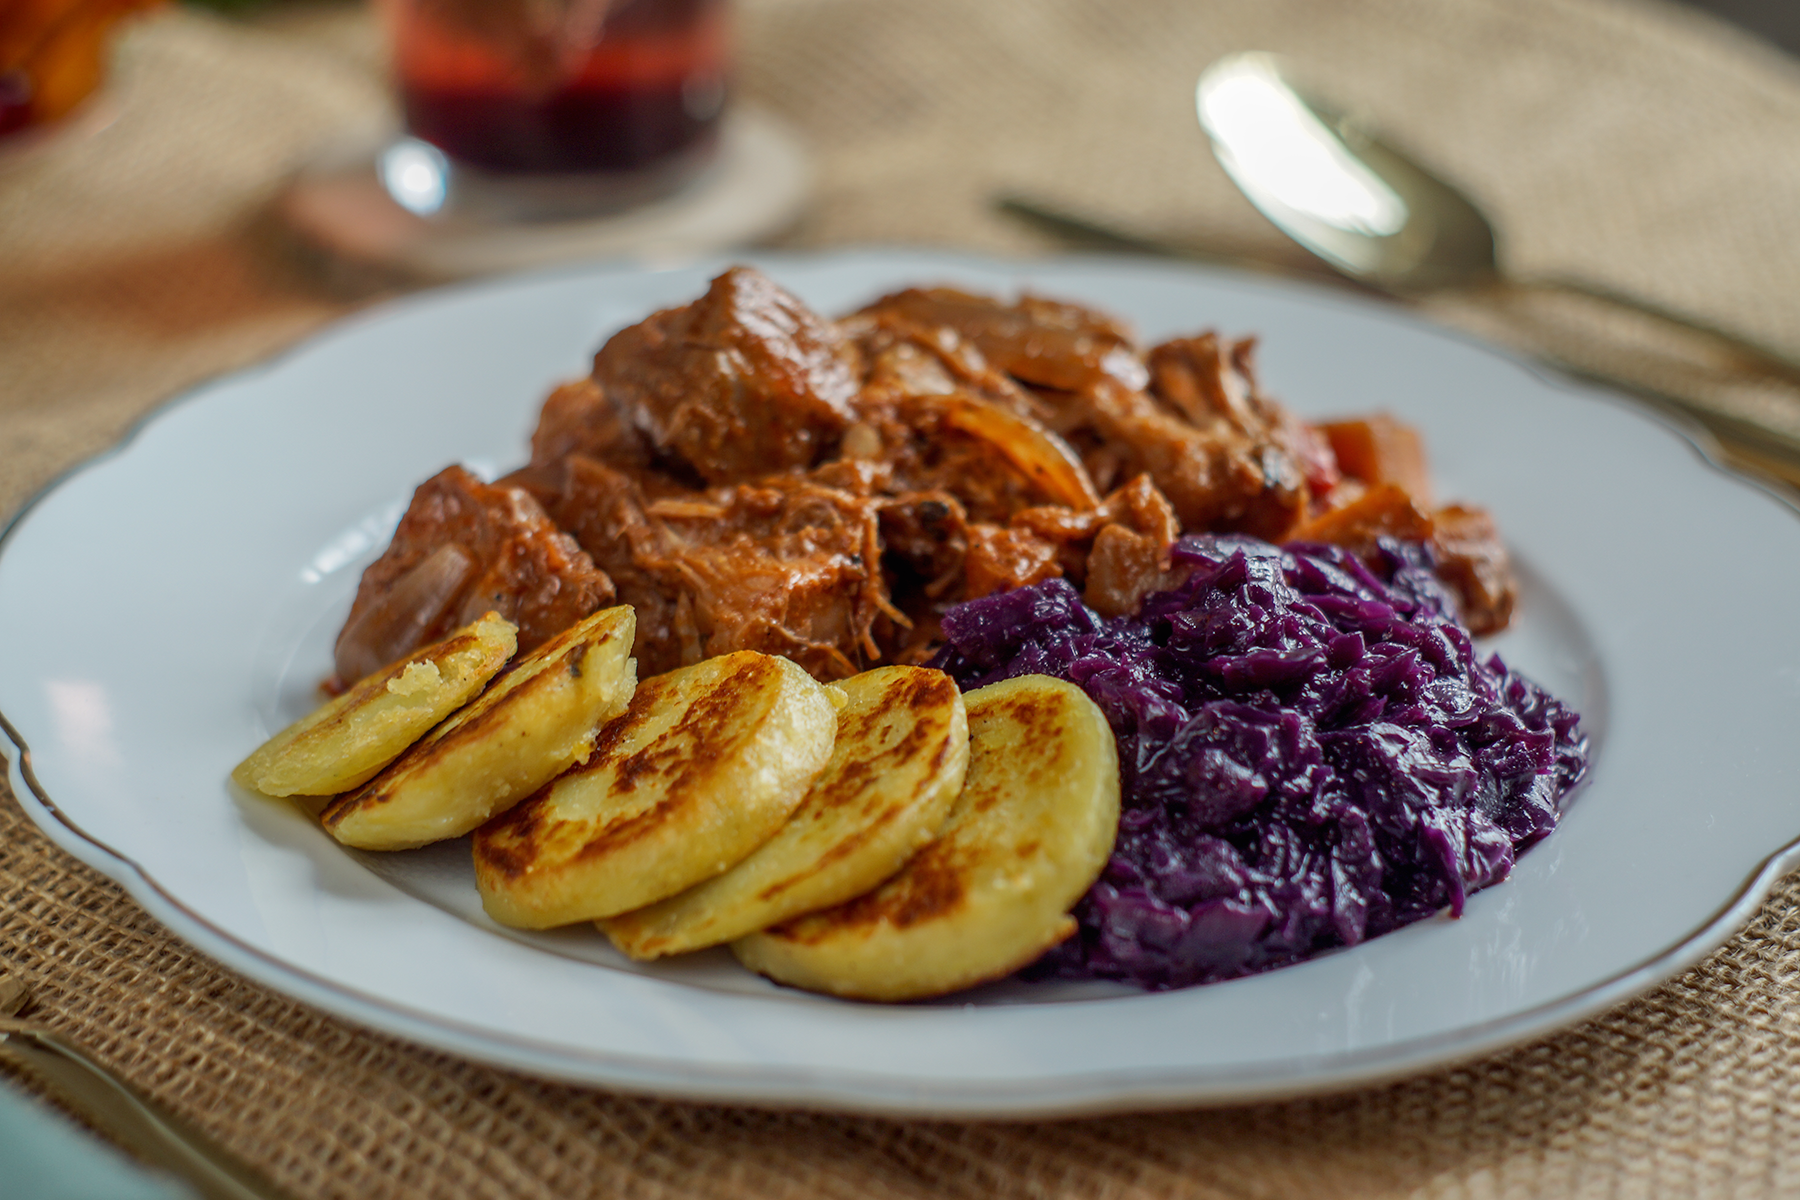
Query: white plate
{"x":165,"y":608}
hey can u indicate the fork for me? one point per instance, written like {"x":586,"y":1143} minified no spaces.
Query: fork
{"x":149,"y":1131}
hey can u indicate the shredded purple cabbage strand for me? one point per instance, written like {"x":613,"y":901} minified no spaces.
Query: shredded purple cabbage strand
{"x":1312,"y":754}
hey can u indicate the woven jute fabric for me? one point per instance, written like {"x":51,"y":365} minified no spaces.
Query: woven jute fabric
{"x":1642,"y":146}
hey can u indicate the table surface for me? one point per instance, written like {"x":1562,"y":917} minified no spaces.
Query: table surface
{"x":1640,"y":144}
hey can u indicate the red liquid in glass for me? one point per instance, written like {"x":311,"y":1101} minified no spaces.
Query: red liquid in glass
{"x":651,"y":90}
{"x":15,"y":101}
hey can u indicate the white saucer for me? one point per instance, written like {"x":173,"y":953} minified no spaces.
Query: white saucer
{"x":754,"y":188}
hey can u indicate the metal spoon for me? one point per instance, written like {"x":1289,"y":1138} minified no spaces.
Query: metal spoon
{"x":1368,"y":210}
{"x":141,"y":1125}
{"x":1383,"y":220}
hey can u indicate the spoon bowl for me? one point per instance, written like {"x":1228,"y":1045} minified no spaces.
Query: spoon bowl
{"x":1379,"y":217}
{"x":1363,"y":207}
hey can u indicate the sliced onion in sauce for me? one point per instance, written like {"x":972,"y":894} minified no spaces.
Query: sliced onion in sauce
{"x":400,"y":621}
{"x":1040,"y":455}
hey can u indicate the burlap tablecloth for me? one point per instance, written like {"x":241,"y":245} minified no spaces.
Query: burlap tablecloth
{"x":1641,"y":145}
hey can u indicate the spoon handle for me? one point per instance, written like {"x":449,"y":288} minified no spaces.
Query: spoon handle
{"x":1766,"y":451}
{"x":136,"y":1122}
{"x":1748,"y":445}
{"x":1754,"y":356}
{"x":1089,"y":234}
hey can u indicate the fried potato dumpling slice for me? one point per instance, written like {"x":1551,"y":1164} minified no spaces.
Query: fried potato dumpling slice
{"x":1030,"y":833}
{"x":707,"y":763}
{"x":529,"y":726}
{"x":348,"y":741}
{"x":902,"y":750}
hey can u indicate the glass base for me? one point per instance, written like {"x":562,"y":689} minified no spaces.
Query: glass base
{"x":402,"y":206}
{"x":424,"y":180}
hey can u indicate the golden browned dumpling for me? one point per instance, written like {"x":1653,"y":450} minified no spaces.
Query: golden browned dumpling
{"x":707,"y":763}
{"x":531,"y":725}
{"x":1028,"y":836}
{"x":902,"y":750}
{"x":347,"y":742}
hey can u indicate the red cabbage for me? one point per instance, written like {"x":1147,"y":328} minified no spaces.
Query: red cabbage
{"x":1312,"y":753}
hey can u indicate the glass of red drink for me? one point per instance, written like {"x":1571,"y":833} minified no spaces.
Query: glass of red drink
{"x":548,"y":108}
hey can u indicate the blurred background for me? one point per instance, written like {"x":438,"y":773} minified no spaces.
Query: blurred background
{"x":1774,"y":19}
{"x":227,"y":188}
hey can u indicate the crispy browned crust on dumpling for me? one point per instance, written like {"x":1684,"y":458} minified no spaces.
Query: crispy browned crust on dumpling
{"x":897,"y":766}
{"x":1028,"y":836}
{"x":703,"y":767}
